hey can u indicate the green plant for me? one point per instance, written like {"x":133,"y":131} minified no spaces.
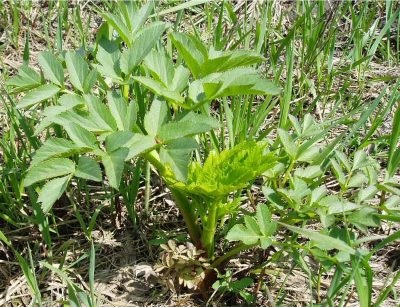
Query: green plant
{"x":144,"y":97}
{"x":27,"y":269}
{"x":132,"y":102}
{"x":225,"y":283}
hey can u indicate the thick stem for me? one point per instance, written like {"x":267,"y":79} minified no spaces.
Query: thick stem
{"x":190,"y":219}
{"x":209,"y":226}
{"x":180,"y":199}
{"x":154,"y":159}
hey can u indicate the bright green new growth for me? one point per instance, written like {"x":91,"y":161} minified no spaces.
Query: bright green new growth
{"x":222,"y":173}
{"x":228,"y":171}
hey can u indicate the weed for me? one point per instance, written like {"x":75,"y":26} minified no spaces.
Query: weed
{"x":196,"y":110}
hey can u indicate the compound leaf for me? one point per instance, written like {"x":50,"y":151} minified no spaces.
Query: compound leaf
{"x":78,"y":70}
{"x":287,"y":142}
{"x":88,"y":169}
{"x":100,"y":114}
{"x":118,"y":139}
{"x":229,"y":170}
{"x":49,"y":169}
{"x":26,"y":79}
{"x":241,"y":233}
{"x":192,"y":51}
{"x":177,"y":155}
{"x":118,"y":108}
{"x":52,"y":191}
{"x":323,"y":241}
{"x":189,"y":125}
{"x":114,"y":163}
{"x":108,"y":55}
{"x":52,"y":68}
{"x":37,"y":95}
{"x":141,"y":46}
{"x":256,"y":230}
{"x":55,"y":147}
{"x":118,"y":24}
{"x":138,"y":144}
{"x":80,"y":136}
{"x":156,"y":117}
{"x":159,"y":89}
{"x":263,"y":216}
{"x":161,"y":67}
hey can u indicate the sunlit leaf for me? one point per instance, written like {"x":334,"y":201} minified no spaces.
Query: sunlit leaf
{"x":52,"y":191}
{"x":52,"y":68}
{"x":37,"y":95}
{"x":114,"y":163}
{"x":256,"y":230}
{"x":78,"y":70}
{"x":55,"y":147}
{"x":88,"y":169}
{"x":141,"y":46}
{"x":49,"y":169}
{"x":323,"y":241}
{"x":189,"y":125}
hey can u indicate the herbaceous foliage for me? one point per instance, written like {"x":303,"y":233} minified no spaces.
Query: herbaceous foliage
{"x":145,"y":93}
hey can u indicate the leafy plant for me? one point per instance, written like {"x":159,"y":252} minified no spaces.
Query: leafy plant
{"x":134,"y":102}
{"x":255,"y":231}
{"x":225,"y":283}
{"x":144,"y":94}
